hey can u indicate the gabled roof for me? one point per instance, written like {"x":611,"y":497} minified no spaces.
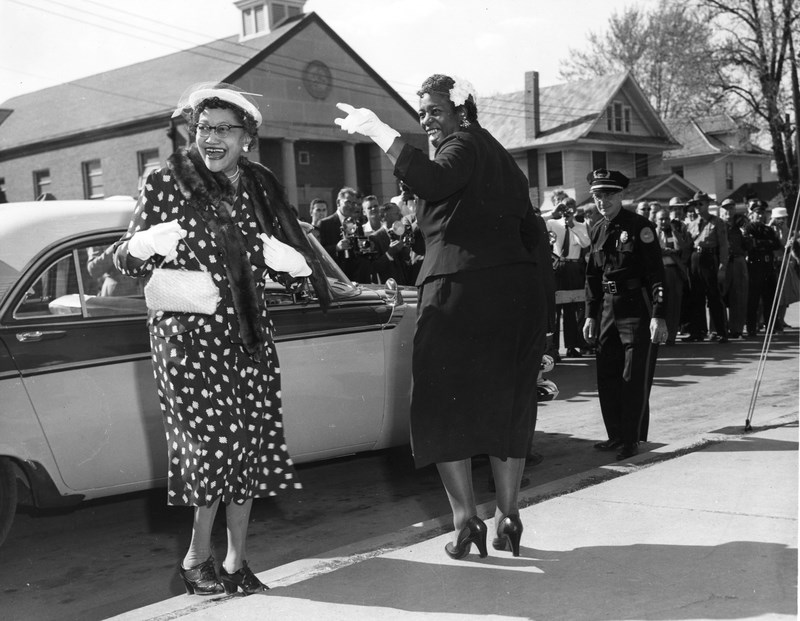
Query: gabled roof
{"x":657,"y":187}
{"x":150,"y":89}
{"x":767,"y":191}
{"x":698,"y":137}
{"x":567,"y":113}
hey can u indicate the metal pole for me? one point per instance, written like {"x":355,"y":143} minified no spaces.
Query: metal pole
{"x":772,"y":316}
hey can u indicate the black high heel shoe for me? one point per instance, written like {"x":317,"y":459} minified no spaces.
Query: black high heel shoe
{"x":473,"y":532}
{"x":509,"y":533}
{"x":244,"y":579}
{"x":201,"y":579}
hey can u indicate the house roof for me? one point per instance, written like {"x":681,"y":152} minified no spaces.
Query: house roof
{"x":657,"y":187}
{"x":767,"y":191}
{"x":698,"y":137}
{"x":149,"y":89}
{"x":567,"y":113}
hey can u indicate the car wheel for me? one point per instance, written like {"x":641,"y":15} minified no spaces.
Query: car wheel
{"x":8,"y":497}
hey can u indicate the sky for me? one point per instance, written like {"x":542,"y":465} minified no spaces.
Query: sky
{"x":492,"y":43}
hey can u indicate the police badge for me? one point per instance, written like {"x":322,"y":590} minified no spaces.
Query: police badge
{"x":623,"y":237}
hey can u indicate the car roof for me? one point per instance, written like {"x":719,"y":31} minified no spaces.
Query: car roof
{"x":27,"y":228}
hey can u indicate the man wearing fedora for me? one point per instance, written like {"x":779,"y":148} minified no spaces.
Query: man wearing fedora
{"x":763,"y":242}
{"x":625,"y":290}
{"x":708,"y":270}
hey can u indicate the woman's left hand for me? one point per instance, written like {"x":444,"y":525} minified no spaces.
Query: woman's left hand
{"x":283,"y":258}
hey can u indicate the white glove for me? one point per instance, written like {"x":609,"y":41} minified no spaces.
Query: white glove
{"x":158,"y":239}
{"x":283,"y":258}
{"x":366,"y":122}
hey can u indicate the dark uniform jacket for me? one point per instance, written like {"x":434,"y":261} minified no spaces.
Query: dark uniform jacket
{"x":625,"y":252}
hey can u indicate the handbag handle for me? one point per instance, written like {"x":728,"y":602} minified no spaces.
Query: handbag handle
{"x":191,"y":252}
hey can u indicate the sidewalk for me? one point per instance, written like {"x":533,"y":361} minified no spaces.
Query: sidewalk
{"x":705,"y":529}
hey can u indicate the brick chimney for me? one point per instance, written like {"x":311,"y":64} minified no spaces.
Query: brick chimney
{"x":532,"y":125}
{"x":260,"y":17}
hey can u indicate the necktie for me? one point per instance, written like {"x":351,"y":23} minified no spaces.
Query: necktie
{"x":565,"y":243}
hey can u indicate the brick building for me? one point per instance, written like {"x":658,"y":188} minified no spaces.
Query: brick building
{"x":98,"y":136}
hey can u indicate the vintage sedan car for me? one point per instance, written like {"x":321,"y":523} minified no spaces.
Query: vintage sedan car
{"x":80,"y":418}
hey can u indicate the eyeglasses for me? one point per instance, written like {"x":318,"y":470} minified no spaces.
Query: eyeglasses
{"x":221,"y":130}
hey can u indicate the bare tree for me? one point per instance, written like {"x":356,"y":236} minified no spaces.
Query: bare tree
{"x":667,"y":51}
{"x":754,"y":54}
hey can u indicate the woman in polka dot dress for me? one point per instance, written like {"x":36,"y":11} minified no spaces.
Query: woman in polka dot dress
{"x":217,"y":374}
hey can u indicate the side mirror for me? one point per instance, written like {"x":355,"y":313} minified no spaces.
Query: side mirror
{"x":394,"y":296}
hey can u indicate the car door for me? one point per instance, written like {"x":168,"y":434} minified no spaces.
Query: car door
{"x":84,"y":359}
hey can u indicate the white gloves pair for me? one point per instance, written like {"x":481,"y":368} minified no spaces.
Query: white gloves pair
{"x":163,"y":239}
{"x":283,"y":258}
{"x":366,"y":123}
{"x":160,"y":239}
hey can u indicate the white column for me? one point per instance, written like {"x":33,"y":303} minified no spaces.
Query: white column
{"x":289,"y":170}
{"x":349,"y":157}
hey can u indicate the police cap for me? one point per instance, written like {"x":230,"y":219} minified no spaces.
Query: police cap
{"x":607,"y":180}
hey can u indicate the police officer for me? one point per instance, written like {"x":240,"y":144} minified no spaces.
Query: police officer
{"x":763,"y":241}
{"x":624,"y":288}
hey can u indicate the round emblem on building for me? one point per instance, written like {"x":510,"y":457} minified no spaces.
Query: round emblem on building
{"x":317,"y":79}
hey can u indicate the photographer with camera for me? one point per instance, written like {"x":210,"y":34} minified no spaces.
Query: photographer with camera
{"x":340,"y":235}
{"x":392,"y":243}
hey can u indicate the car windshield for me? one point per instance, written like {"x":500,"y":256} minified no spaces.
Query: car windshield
{"x":336,"y":278}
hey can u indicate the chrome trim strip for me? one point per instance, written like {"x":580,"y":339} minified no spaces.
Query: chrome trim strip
{"x":85,"y":364}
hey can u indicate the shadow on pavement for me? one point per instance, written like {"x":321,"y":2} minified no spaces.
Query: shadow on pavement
{"x":641,"y":581}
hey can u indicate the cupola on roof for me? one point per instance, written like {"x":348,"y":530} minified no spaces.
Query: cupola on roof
{"x":260,"y":17}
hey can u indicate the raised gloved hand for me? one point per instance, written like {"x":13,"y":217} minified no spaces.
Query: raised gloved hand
{"x":160,"y":239}
{"x":283,"y":258}
{"x":366,"y":123}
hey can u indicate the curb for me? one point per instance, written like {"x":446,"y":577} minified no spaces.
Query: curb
{"x":338,"y":558}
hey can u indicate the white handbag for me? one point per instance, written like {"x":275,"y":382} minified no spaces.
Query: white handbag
{"x":182,"y":290}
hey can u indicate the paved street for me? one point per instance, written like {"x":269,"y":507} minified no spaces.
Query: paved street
{"x":108,"y":558}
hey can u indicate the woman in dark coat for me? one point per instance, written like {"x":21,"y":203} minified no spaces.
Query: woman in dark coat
{"x":217,"y":374}
{"x":482,"y":306}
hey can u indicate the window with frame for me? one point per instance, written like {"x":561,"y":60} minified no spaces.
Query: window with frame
{"x":148,"y":162}
{"x":253,"y":20}
{"x":618,"y":118}
{"x":728,"y":175}
{"x":554,"y":169}
{"x":599,"y":160}
{"x":640,"y":164}
{"x":83,"y":282}
{"x":41,"y":182}
{"x":92,"y":179}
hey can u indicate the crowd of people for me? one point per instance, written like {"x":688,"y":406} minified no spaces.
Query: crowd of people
{"x":721,"y":267}
{"x":371,"y":241}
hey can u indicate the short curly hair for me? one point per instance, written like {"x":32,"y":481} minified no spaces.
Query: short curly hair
{"x":215,"y":103}
{"x":442,"y":84}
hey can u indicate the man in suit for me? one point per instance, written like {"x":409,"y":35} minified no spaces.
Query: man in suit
{"x":338,"y":244}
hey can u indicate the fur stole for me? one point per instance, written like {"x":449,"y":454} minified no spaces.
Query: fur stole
{"x":212,"y":196}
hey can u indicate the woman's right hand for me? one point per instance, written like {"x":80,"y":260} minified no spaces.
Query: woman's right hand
{"x":160,"y":239}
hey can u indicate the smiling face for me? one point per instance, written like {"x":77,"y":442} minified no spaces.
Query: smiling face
{"x":438,"y":117}
{"x":608,"y":203}
{"x":221,"y":154}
